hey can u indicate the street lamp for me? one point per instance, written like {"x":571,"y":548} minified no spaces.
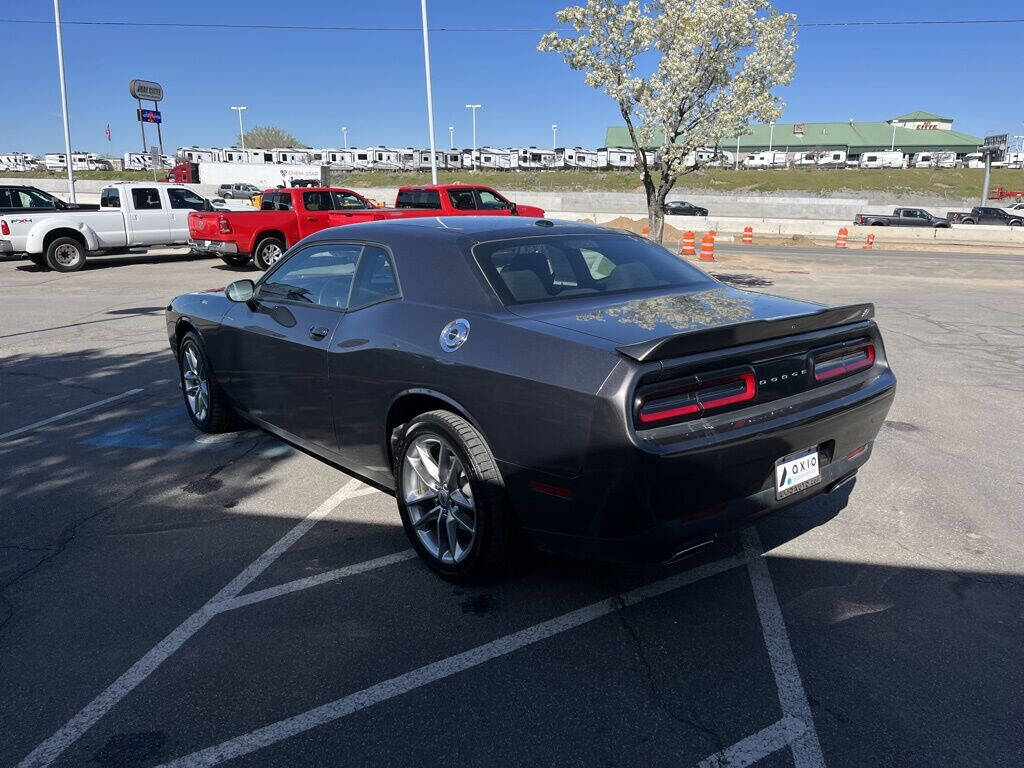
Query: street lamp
{"x":451,"y":137}
{"x":344,"y":134}
{"x":554,"y":135}
{"x":473,"y":108}
{"x":64,"y":101}
{"x":893,"y":145}
{"x":771,"y":137}
{"x":241,"y":131}
{"x":430,"y":98}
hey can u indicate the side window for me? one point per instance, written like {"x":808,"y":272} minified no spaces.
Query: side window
{"x":269,"y":202}
{"x":317,"y":201}
{"x":375,"y":280}
{"x":145,"y":199}
{"x":29,"y":198}
{"x":319,"y":274}
{"x":110,"y":198}
{"x":185,"y":198}
{"x":348,"y":201}
{"x":5,"y":198}
{"x":491,"y":202}
{"x":462,"y":199}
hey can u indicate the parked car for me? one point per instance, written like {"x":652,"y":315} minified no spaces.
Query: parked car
{"x":243,"y":191}
{"x":902,"y":217}
{"x":987,"y":215}
{"x":683,"y":208}
{"x":507,"y":375}
{"x":130,"y":214}
{"x":16,"y":198}
{"x":288,"y":215}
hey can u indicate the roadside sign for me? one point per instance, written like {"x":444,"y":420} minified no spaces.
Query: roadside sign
{"x":995,"y":146}
{"x":148,"y":115}
{"x":144,"y":89}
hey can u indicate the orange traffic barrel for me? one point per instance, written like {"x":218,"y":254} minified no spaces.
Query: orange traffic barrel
{"x":748,"y":235}
{"x":645,"y":231}
{"x":869,"y":243}
{"x":713,"y":233}
{"x":689,"y":244}
{"x":841,"y":237}
{"x":707,"y":247}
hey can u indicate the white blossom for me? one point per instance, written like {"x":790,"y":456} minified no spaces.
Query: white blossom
{"x":686,"y":74}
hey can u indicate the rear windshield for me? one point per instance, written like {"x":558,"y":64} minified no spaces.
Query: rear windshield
{"x":567,"y":266}
{"x":419,"y":198}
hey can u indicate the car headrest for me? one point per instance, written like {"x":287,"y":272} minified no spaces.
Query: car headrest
{"x":524,"y":285}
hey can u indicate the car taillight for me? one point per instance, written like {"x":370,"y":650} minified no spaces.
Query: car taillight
{"x":696,"y":397}
{"x":840,"y":362}
{"x":224,"y":225}
{"x":4,"y":229}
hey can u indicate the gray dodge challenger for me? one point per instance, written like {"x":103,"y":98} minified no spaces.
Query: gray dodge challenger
{"x":524,"y":381}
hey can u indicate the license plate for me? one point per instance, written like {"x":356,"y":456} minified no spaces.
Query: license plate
{"x":795,"y":472}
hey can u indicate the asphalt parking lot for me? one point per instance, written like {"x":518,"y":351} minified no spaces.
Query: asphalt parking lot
{"x":167,"y":597}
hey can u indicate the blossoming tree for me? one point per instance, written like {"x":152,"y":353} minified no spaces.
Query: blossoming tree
{"x":685,"y":74}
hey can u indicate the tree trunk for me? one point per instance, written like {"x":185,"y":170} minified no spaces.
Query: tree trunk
{"x":656,"y":204}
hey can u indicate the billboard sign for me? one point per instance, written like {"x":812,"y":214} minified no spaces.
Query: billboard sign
{"x":144,"y":89}
{"x":148,"y":115}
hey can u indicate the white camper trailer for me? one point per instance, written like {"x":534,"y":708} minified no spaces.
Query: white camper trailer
{"x":496,"y":158}
{"x":616,"y":158}
{"x":577,"y":157}
{"x":532,"y":158}
{"x":409,"y":159}
{"x":80,"y":161}
{"x":452,"y":158}
{"x":198,"y":154}
{"x":699,"y":158}
{"x":766,"y":160}
{"x":384,"y":158}
{"x":18,"y":162}
{"x":832,"y":158}
{"x":143,"y":161}
{"x":289,"y":155}
{"x":888,"y":159}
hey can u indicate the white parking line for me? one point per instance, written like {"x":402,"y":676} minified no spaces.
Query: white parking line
{"x":439,"y":670}
{"x":51,"y":749}
{"x":792,"y":698}
{"x":75,"y":412}
{"x":757,"y":747}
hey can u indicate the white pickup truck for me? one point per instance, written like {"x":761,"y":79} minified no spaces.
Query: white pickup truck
{"x":131,"y":214}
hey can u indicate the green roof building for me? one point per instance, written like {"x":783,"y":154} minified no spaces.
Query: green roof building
{"x":914,"y":132}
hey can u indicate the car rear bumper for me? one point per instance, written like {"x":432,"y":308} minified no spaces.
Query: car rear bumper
{"x":213,"y":246}
{"x":657,"y":504}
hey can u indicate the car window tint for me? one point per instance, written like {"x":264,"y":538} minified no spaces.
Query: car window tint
{"x":348,"y":201}
{"x":29,"y":198}
{"x":376,"y":278}
{"x":5,"y":198}
{"x":317,"y":201}
{"x":490,"y":201}
{"x":319,"y":274}
{"x":462,"y":199}
{"x":145,"y":199}
{"x":555,"y":267}
{"x":185,"y":198}
{"x":419,"y":198}
{"x":110,"y":198}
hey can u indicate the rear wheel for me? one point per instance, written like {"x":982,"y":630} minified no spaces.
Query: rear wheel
{"x":235,"y":260}
{"x":205,"y":403}
{"x":267,"y":251}
{"x":452,"y":499}
{"x":65,"y":254}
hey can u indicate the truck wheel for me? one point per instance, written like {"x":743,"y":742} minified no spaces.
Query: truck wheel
{"x":452,"y":499}
{"x":65,"y":254}
{"x":235,"y":260}
{"x":267,"y":251}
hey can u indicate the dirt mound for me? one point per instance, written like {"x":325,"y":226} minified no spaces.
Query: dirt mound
{"x":670,"y":235}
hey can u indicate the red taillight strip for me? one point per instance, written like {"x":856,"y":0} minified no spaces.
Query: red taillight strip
{"x":224,"y":225}
{"x":4,"y":229}
{"x":849,"y":361}
{"x":749,"y":392}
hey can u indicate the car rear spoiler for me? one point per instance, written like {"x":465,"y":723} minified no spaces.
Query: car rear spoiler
{"x":735,"y":334}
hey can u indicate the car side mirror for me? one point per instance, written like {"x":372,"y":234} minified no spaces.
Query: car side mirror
{"x":241,"y":291}
{"x":513,"y":209}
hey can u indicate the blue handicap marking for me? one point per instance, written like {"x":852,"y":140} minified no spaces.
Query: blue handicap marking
{"x":156,"y":432}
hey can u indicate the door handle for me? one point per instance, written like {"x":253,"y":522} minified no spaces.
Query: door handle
{"x":312,"y":218}
{"x":318,"y":331}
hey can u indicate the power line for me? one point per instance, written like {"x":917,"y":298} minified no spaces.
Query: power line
{"x":532,"y":30}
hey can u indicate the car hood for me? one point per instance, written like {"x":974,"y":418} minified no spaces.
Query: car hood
{"x":633,"y":320}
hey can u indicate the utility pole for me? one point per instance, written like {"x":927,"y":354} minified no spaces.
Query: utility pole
{"x":64,"y":102}
{"x":344,"y":135}
{"x":430,"y":98}
{"x":241,"y":131}
{"x":554,"y":135}
{"x":473,"y":108}
{"x":451,"y":137}
{"x":892,"y":147}
{"x":771,"y":137}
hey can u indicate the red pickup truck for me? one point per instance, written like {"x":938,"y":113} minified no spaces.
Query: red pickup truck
{"x":288,"y":215}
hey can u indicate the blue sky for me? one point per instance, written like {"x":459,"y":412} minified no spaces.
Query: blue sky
{"x":313,"y":82}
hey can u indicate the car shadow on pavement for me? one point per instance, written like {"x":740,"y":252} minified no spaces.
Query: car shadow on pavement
{"x":124,"y":260}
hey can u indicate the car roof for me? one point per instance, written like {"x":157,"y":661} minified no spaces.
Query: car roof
{"x":476,"y":228}
{"x":444,"y":186}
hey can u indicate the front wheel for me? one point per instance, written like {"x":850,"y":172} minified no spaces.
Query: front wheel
{"x":65,"y":254}
{"x":205,"y":403}
{"x":452,"y":499}
{"x":267,"y":251}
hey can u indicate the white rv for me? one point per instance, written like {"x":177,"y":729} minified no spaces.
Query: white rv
{"x":888,"y":159}
{"x":699,"y":158}
{"x":80,"y":161}
{"x":384,"y":159}
{"x":409,"y":159}
{"x":577,"y":157}
{"x":289,"y":155}
{"x":532,"y":158}
{"x":497,"y":159}
{"x":143,"y":161}
{"x":198,"y":154}
{"x":424,"y":159}
{"x":19,"y":162}
{"x":832,"y":158}
{"x":452,"y":158}
{"x":806,"y":159}
{"x":766,"y":160}
{"x":616,"y":158}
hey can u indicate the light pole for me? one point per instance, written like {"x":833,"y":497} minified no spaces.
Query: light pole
{"x":241,"y":131}
{"x":451,"y":137}
{"x":430,"y":98}
{"x":554,"y":135}
{"x":893,"y":145}
{"x":473,"y":108}
{"x":64,"y":101}
{"x":771,"y":136}
{"x":344,"y":135}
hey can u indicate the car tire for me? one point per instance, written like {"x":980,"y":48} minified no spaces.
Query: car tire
{"x":235,"y":260}
{"x":65,"y":254}
{"x":205,"y":403}
{"x":487,"y":540}
{"x":267,"y":252}
{"x":227,"y":195}
{"x":38,"y":259}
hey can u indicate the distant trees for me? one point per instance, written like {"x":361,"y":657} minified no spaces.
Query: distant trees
{"x":269,"y":136}
{"x":684,"y":73}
